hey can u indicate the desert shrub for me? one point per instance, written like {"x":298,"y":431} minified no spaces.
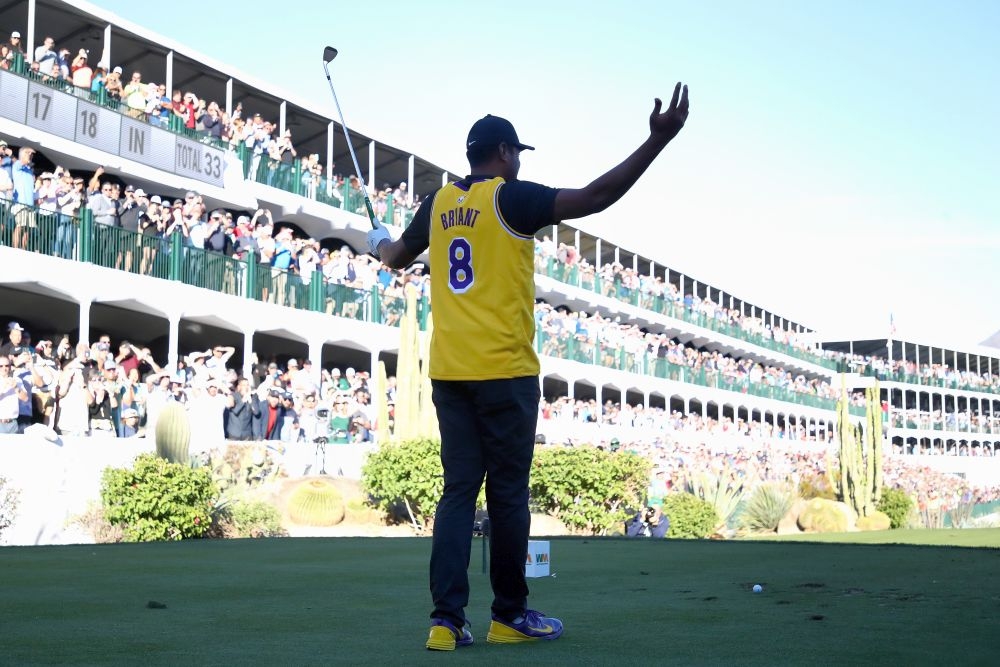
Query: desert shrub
{"x":724,"y":490}
{"x":590,"y":490}
{"x":897,"y":505}
{"x":822,"y":516}
{"x":242,"y":467}
{"x":248,"y":518}
{"x":9,"y":499}
{"x":816,"y":486}
{"x":689,"y":516}
{"x":316,"y":502}
{"x":874,"y":521}
{"x":94,"y":522}
{"x":158,"y":500}
{"x":767,"y":505}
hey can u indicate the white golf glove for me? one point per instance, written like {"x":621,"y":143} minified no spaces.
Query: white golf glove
{"x":378,"y":234}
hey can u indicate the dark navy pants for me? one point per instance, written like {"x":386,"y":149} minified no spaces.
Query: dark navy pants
{"x":487,"y":429}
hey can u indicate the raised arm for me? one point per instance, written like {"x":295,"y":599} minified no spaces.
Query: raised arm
{"x":607,"y":189}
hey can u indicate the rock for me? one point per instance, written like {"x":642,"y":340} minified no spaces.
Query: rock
{"x":789,"y":524}
{"x":544,"y":525}
{"x":874,"y":521}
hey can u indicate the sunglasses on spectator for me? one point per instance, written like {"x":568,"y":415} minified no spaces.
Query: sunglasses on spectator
{"x":4,"y":365}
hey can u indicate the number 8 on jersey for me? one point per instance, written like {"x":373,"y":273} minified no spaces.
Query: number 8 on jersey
{"x":460,"y":276}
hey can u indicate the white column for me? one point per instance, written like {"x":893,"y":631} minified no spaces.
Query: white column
{"x":374,"y":398}
{"x":248,"y":352}
{"x":316,"y":357}
{"x":106,"y":52}
{"x":410,"y":165}
{"x":330,"y":132}
{"x":85,"y":304}
{"x":30,"y":31}
{"x":282,"y":117}
{"x":444,"y":179}
{"x":371,"y":165}
{"x":169,"y":77}
{"x":229,"y":97}
{"x":597,"y":255}
{"x":174,"y":320}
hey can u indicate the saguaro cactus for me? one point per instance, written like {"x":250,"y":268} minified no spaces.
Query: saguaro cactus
{"x":860,"y":452}
{"x":415,"y":416}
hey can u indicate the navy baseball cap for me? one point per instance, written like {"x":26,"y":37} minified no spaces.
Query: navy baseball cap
{"x":492,"y":131}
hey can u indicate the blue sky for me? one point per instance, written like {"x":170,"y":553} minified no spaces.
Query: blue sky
{"x":840,"y":163}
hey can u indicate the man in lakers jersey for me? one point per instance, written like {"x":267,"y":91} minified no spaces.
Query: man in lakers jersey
{"x":484,"y":371}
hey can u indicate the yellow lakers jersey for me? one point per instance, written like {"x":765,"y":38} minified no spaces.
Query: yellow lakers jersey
{"x":482,"y":289}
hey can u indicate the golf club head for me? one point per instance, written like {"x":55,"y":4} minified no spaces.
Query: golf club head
{"x":329,"y":53}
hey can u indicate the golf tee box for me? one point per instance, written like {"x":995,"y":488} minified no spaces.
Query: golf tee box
{"x":537,"y":563}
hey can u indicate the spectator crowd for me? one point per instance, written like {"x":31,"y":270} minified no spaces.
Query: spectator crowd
{"x":273,"y":157}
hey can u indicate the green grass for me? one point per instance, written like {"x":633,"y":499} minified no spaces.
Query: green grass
{"x":365,"y":601}
{"x":967,"y":537}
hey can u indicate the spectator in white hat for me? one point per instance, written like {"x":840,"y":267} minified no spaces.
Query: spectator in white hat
{"x":130,"y":423}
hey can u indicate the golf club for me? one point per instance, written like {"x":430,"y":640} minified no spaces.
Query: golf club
{"x":329,"y":53}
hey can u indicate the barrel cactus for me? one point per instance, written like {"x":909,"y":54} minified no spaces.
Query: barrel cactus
{"x":173,"y":434}
{"x":316,"y":502}
{"x":822,"y":516}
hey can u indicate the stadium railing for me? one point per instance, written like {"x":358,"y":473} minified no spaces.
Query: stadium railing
{"x":79,"y":238}
{"x":643,"y":363}
{"x":927,"y":381}
{"x":571,"y":275}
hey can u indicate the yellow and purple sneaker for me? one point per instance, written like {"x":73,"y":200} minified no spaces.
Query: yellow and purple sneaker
{"x":445,"y":637}
{"x":530,"y":627}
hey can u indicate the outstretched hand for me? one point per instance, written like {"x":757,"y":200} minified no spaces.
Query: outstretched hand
{"x":666,"y":125}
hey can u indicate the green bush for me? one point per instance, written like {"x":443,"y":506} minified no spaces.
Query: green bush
{"x":588,"y":489}
{"x":897,"y":505}
{"x":689,"y":516}
{"x":406,"y":474}
{"x":249,"y":518}
{"x":158,"y":500}
{"x":767,"y":505}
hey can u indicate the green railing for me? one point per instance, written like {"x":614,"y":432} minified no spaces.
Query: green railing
{"x":643,"y":363}
{"x":900,"y":421}
{"x":37,"y":230}
{"x":920,"y":379}
{"x":292,"y":177}
{"x":81,"y":239}
{"x":572,"y":275}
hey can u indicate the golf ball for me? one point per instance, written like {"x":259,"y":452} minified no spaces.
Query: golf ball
{"x":757,"y":588}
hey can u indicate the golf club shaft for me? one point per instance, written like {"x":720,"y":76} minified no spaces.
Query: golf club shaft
{"x":350,"y":147}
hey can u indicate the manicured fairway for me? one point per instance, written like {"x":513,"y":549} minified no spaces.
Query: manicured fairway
{"x":357,"y":601}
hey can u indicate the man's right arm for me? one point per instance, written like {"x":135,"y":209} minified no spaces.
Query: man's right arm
{"x":400,"y":253}
{"x":611,"y":186}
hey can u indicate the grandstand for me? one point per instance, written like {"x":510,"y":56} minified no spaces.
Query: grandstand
{"x":631,"y":348}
